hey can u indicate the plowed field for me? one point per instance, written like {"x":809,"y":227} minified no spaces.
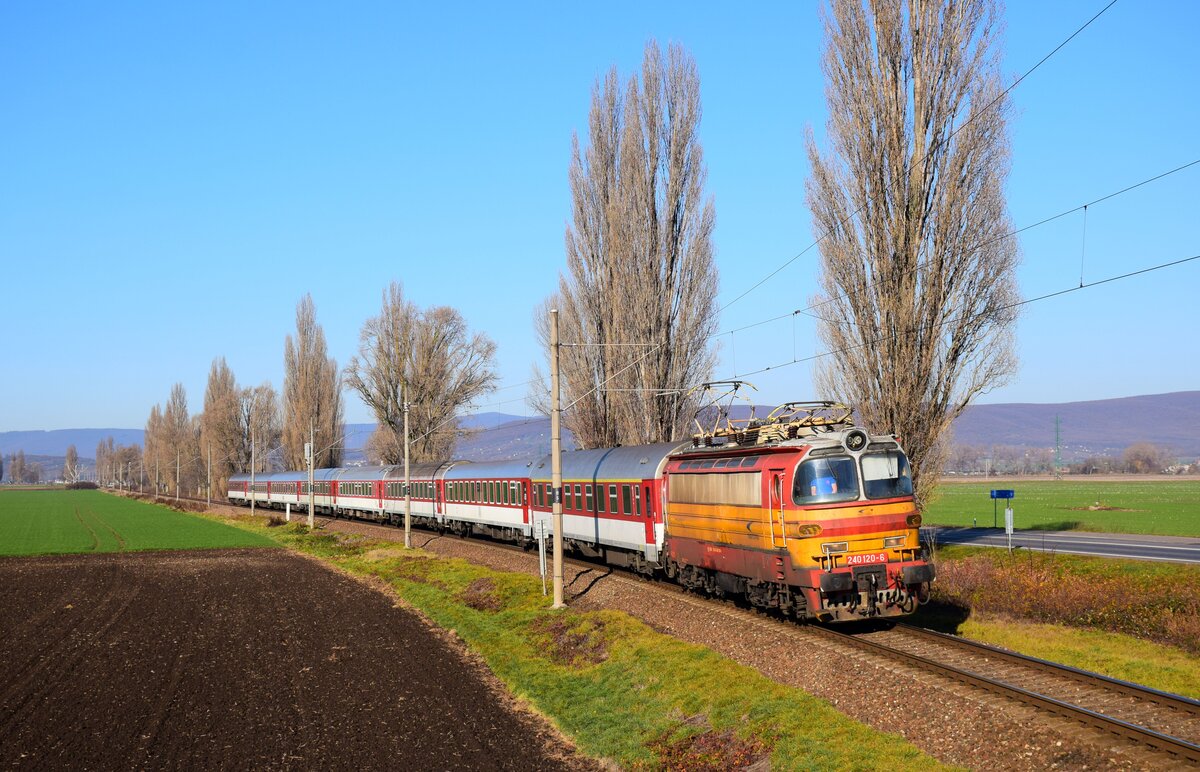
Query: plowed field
{"x":237,"y":659}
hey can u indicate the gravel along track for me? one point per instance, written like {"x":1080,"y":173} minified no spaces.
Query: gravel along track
{"x":956,"y":723}
{"x":240,"y":659}
{"x":1178,"y":717}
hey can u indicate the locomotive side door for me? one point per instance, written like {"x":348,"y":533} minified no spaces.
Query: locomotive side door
{"x":775,"y":507}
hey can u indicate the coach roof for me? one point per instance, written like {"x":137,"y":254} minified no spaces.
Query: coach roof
{"x":634,"y":462}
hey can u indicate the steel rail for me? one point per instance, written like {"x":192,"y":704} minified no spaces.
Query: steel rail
{"x":1157,"y":740}
{"x":1166,"y":699}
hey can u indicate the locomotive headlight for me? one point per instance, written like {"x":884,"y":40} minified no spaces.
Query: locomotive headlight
{"x":913,"y":521}
{"x":894,"y":541}
{"x":833,"y":547}
{"x":809,"y":530}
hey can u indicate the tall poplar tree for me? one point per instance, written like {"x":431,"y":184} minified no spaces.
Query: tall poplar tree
{"x":311,"y":394}
{"x":918,"y":274}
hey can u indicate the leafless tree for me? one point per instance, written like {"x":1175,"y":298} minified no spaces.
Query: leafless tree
{"x":16,"y":468}
{"x":918,"y":278}
{"x":435,"y":356}
{"x":1145,"y":458}
{"x":221,"y":427}
{"x":638,"y":300}
{"x":311,"y":394}
{"x":261,"y":426}
{"x":155,"y":442}
{"x":71,"y":465}
{"x":1,"y":467}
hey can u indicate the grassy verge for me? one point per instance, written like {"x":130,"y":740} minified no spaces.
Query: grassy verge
{"x":619,"y":689}
{"x":48,"y":522}
{"x":1132,"y":620}
{"x":1166,"y":507}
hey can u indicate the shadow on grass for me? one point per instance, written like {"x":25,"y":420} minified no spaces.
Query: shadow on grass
{"x":1061,"y":525}
{"x":940,"y":616}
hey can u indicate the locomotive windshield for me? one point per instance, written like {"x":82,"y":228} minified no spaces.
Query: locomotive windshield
{"x":825,"y":480}
{"x":886,"y":475}
{"x":836,"y":478}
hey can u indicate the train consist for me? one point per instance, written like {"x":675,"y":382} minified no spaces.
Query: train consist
{"x":801,"y":512}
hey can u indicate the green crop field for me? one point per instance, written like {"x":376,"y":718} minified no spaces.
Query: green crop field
{"x":1166,"y":507}
{"x":45,"y":522}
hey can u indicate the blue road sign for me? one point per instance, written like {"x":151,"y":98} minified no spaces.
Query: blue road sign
{"x":1003,"y":494}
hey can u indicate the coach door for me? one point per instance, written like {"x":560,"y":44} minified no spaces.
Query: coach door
{"x":775,"y":508}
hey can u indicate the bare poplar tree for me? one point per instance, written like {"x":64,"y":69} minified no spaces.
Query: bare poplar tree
{"x":154,"y":441}
{"x":1,"y":467}
{"x":16,"y":469}
{"x":181,"y":457}
{"x":918,"y":277}
{"x":443,"y":365}
{"x":311,"y":394}
{"x":260,"y":423}
{"x":221,"y":427}
{"x":638,"y":301}
{"x":71,"y":465}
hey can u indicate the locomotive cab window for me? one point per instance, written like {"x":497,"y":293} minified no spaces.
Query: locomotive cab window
{"x":886,"y":475}
{"x":826,"y":480}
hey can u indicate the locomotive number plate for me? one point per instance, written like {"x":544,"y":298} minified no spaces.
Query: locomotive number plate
{"x":866,"y":560}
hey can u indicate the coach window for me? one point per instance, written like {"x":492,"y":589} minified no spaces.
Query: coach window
{"x":637,"y":498}
{"x":588,"y":490}
{"x":579,"y":495}
{"x":626,"y":500}
{"x":600,"y":499}
{"x":612,"y":499}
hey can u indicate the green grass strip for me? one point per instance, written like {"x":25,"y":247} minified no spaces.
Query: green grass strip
{"x":52,"y":522}
{"x":1165,"y":507}
{"x":622,"y":691}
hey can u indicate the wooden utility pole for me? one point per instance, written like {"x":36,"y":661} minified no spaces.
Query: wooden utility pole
{"x":312,"y":521}
{"x":556,"y":462}
{"x":407,"y":482}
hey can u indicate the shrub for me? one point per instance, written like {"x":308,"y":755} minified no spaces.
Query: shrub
{"x":1159,"y":603}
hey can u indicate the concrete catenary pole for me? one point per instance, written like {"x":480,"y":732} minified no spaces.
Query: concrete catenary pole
{"x":208,"y":485}
{"x":312,"y":522}
{"x":177,"y":476}
{"x":252,"y":491}
{"x":407,"y":481}
{"x":556,"y":462}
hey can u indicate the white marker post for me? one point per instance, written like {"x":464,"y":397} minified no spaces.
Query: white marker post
{"x":1008,"y":526}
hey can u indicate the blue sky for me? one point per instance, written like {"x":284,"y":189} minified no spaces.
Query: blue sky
{"x":175,"y":176}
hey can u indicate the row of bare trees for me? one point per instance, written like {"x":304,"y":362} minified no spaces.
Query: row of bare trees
{"x":118,"y":465}
{"x":917,"y":289}
{"x":425,"y":356}
{"x":21,"y":471}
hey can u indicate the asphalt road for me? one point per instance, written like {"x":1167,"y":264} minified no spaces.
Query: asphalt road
{"x":1174,"y":549}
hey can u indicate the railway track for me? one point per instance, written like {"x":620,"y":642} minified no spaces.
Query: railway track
{"x":1136,"y":714}
{"x":1165,"y":722}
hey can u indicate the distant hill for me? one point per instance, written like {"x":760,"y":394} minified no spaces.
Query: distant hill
{"x":1098,"y":427}
{"x":55,"y":443}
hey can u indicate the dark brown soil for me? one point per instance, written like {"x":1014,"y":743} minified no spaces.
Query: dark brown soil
{"x":238,"y":659}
